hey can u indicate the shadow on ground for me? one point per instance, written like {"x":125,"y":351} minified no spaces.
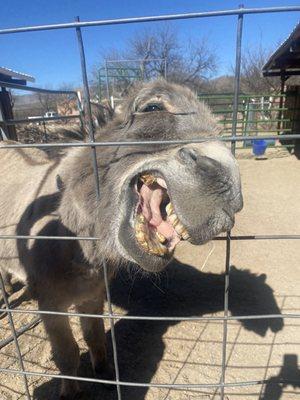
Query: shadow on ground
{"x":180,"y":291}
{"x":289,"y":375}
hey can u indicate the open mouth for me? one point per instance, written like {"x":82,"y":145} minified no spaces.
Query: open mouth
{"x":157,"y":227}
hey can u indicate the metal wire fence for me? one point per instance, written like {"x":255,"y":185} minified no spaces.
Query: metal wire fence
{"x":111,"y":316}
{"x":43,"y":119}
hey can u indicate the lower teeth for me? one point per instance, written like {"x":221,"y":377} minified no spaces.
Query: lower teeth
{"x":161,"y":238}
{"x":158,"y":243}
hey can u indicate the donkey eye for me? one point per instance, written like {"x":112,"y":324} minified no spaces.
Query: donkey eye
{"x":153,"y":107}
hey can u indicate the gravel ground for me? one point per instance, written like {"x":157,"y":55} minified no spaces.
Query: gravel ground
{"x":264,"y":280}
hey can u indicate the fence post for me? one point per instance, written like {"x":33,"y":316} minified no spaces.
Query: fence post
{"x":233,"y":146}
{"x":15,"y":337}
{"x":88,"y":107}
{"x":107,"y":81}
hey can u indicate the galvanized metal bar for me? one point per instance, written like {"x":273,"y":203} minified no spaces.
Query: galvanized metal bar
{"x":121,"y":68}
{"x":112,"y":330}
{"x":226,"y":309}
{"x":258,"y":129}
{"x":233,"y":146}
{"x":230,"y":96}
{"x":149,"y":142}
{"x":240,"y":110}
{"x":237,"y":74}
{"x":110,"y":75}
{"x":40,"y":119}
{"x":218,"y":238}
{"x":137,"y":60}
{"x":175,"y":386}
{"x":88,"y":109}
{"x":14,"y":334}
{"x":152,"y":318}
{"x":20,"y":332}
{"x":35,"y":89}
{"x":166,"y":17}
{"x":269,"y":121}
{"x":107,"y":82}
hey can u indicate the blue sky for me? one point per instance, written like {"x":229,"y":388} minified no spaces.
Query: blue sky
{"x":52,"y":56}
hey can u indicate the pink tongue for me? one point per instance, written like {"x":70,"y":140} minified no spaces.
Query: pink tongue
{"x":151,"y":200}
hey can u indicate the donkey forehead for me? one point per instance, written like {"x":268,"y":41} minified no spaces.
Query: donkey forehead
{"x":164,"y":93}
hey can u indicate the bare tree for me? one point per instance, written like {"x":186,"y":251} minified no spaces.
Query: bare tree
{"x":252,"y":80}
{"x":66,"y":103}
{"x":189,"y":62}
{"x":47,"y":101}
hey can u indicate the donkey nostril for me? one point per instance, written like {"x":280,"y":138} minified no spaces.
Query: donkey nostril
{"x":188,"y":154}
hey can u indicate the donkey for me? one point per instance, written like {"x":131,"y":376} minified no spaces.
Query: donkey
{"x":151,"y":197}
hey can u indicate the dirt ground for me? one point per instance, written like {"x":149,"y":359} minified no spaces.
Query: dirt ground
{"x":264,"y":280}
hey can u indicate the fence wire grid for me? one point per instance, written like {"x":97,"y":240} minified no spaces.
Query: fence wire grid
{"x":111,"y":316}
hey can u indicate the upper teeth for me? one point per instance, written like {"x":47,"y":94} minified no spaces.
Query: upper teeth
{"x":148,"y":179}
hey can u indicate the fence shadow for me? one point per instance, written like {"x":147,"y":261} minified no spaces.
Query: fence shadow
{"x":289,"y":373}
{"x":180,"y":291}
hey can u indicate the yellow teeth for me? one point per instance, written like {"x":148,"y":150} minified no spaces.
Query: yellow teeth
{"x":173,"y":219}
{"x":180,"y":229}
{"x":148,"y":179}
{"x":144,"y":245}
{"x":161,"y":237}
{"x":140,"y":218}
{"x":169,"y":208}
{"x":185,"y":235}
{"x":153,"y":242}
{"x":177,"y":225}
{"x":140,"y":235}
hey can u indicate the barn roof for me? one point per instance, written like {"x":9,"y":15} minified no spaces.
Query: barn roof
{"x":286,"y":59}
{"x":9,"y":73}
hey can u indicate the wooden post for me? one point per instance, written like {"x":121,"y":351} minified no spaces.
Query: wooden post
{"x":281,"y":103}
{"x":291,"y":116}
{"x":7,"y":113}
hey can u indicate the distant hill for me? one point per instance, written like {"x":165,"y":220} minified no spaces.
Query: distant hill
{"x":221,"y":84}
{"x":27,"y":105}
{"x":24,"y":99}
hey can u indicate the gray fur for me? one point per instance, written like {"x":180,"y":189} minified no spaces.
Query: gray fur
{"x":42,"y":195}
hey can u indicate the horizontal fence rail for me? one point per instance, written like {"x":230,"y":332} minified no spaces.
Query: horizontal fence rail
{"x":220,"y":238}
{"x":36,"y":89}
{"x":178,"y":386}
{"x":167,"y":17}
{"x":40,"y":119}
{"x":150,"y":142}
{"x":149,"y":318}
{"x":234,"y":109}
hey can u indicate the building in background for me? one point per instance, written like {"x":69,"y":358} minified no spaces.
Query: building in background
{"x":6,"y":101}
{"x":285,"y":63}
